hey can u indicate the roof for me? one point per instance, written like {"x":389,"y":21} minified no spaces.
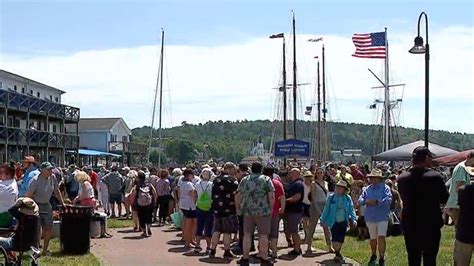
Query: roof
{"x":87,"y":152}
{"x":99,"y":124}
{"x":404,"y":152}
{"x":27,"y":80}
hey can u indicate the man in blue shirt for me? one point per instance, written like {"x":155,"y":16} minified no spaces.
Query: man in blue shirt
{"x":29,"y":164}
{"x":377,"y":197}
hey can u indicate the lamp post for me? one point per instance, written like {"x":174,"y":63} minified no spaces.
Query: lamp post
{"x":419,"y":48}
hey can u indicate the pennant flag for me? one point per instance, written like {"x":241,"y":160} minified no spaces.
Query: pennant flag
{"x":279,"y":35}
{"x":370,"y":45}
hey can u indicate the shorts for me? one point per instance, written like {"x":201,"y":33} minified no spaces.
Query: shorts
{"x":115,"y":198}
{"x":6,"y":243}
{"x":338,"y":232}
{"x":377,"y":229}
{"x":306,"y":210}
{"x":46,"y":215}
{"x":274,"y":227}
{"x":293,"y":220}
{"x":190,"y":214}
{"x":226,"y":225}
{"x":205,"y":222}
{"x":261,"y":222}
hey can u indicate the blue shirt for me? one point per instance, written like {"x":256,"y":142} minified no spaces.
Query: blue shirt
{"x":379,"y":212}
{"x":331,"y":210}
{"x":25,"y":183}
{"x":341,"y":209}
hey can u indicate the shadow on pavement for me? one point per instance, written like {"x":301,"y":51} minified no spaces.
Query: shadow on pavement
{"x":215,"y":260}
{"x":175,"y":242}
{"x":126,"y":231}
{"x":333,"y":263}
{"x":179,"y":250}
{"x":133,"y":237}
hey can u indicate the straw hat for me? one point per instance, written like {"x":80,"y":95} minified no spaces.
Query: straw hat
{"x":308,"y":174}
{"x":375,"y":173}
{"x":343,"y":184}
{"x":470,"y":170}
{"x":27,"y":206}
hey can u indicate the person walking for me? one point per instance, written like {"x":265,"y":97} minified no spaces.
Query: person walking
{"x":307,"y":184}
{"x":144,"y":195}
{"x":377,"y":198}
{"x":163,"y":189}
{"x":40,"y":190}
{"x":205,"y":218}
{"x":294,"y":209}
{"x":459,"y":178}
{"x":464,"y":245}
{"x":114,"y":182}
{"x":319,"y":192}
{"x":277,"y":211}
{"x":223,"y":206}
{"x":254,"y":200}
{"x":423,"y":191}
{"x":338,"y":214}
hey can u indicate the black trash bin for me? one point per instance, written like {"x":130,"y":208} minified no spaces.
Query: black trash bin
{"x":74,"y":230}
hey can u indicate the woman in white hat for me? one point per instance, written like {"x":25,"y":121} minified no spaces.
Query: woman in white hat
{"x":337,"y":215}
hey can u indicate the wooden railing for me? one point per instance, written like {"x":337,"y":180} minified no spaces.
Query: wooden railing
{"x":36,"y":138}
{"x":127,"y":147}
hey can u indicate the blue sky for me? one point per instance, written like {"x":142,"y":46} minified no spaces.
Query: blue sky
{"x":104,"y":55}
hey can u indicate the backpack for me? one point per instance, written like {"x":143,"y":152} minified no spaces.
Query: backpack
{"x":204,"y":201}
{"x":144,"y":196}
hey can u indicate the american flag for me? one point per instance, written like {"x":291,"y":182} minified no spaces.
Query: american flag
{"x":370,"y":45}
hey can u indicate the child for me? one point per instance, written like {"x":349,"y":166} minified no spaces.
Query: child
{"x":337,"y":215}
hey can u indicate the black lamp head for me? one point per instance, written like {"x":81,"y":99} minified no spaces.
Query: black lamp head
{"x":419,"y":47}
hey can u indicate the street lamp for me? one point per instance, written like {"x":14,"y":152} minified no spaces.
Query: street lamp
{"x":419,"y":48}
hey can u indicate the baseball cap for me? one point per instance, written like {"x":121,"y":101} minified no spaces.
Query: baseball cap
{"x":46,"y":166}
{"x":421,"y":152}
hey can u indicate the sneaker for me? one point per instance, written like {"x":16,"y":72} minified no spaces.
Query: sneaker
{"x":382,"y":262}
{"x":228,"y":254}
{"x":294,"y":253}
{"x":265,"y":262}
{"x":274,"y":256}
{"x":212,"y":253}
{"x":373,"y":259}
{"x":339,"y":258}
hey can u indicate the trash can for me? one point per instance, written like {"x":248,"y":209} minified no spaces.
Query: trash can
{"x":75,"y":227}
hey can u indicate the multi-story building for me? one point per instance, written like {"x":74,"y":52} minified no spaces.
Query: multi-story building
{"x":33,"y":121}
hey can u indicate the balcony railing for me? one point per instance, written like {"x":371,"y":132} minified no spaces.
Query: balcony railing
{"x":35,"y":138}
{"x":13,"y":100}
{"x":127,"y":147}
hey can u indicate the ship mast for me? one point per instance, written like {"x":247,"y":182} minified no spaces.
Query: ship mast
{"x":294,"y":78}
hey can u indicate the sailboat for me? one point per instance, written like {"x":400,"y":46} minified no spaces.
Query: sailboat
{"x":158,"y":90}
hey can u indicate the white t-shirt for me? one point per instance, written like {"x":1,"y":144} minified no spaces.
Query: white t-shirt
{"x":186,"y":202}
{"x":320,"y":194}
{"x":8,"y":194}
{"x":194,"y":181}
{"x":202,"y":186}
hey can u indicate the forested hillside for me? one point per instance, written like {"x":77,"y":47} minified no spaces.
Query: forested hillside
{"x":233,"y":140}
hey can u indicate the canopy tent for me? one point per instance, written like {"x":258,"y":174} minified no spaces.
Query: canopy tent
{"x":95,"y":153}
{"x":404,"y":152}
{"x":453,"y":159}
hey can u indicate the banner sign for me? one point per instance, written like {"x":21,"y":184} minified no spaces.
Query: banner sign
{"x":292,"y":148}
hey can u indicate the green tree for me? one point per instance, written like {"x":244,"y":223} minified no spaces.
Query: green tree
{"x":180,"y":150}
{"x":155,"y":157}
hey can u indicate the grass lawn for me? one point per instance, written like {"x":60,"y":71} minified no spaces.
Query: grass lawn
{"x":119,"y":223}
{"x":396,"y":253}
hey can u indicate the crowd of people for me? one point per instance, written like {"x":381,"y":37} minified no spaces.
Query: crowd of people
{"x":242,"y":202}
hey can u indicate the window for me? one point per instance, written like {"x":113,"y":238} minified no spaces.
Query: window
{"x":54,"y":128}
{"x":125,"y":138}
{"x":113,"y":137}
{"x":51,"y":97}
{"x":31,"y":92}
{"x":14,"y":88}
{"x":56,"y":99}
{"x":1,"y":84}
{"x":23,"y":90}
{"x":38,"y":94}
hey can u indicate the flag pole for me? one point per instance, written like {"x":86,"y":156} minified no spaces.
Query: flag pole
{"x":387,"y":98}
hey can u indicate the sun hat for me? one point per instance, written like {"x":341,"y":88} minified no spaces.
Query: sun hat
{"x":27,"y":206}
{"x":126,"y":168}
{"x":294,"y":169}
{"x":375,"y":173}
{"x":46,"y":166}
{"x":308,"y":174}
{"x":343,"y":184}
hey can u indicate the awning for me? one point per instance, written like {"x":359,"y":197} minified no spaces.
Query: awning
{"x":453,"y":159}
{"x":87,"y":152}
{"x":404,"y":152}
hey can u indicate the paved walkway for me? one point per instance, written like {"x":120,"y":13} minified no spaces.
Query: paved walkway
{"x":129,"y":248}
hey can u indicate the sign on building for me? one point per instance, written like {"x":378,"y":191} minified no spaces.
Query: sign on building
{"x":292,"y":148}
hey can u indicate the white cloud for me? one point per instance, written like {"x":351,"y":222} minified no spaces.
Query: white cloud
{"x":232,"y":82}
